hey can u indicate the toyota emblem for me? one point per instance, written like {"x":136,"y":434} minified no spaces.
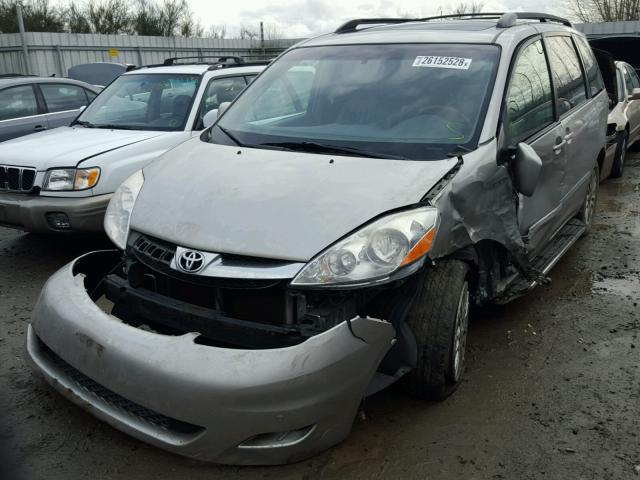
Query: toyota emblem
{"x":191,"y":261}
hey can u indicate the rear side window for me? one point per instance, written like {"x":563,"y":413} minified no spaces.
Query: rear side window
{"x":529,"y":100}
{"x":594,"y":78}
{"x":17,"y":102}
{"x":59,"y":97}
{"x":567,"y":73}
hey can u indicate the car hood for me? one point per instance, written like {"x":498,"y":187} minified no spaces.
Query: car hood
{"x":67,"y":146}
{"x":271,"y":204}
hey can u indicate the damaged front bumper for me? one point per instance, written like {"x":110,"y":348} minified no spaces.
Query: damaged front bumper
{"x":227,"y":405}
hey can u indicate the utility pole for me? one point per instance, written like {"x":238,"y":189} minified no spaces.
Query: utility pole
{"x":25,"y":50}
{"x":262,"y":39}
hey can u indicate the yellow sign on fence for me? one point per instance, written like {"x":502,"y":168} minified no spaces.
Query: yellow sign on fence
{"x":113,"y":52}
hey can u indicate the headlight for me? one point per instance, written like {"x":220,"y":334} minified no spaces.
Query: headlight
{"x":116,"y":220}
{"x":66,"y":179}
{"x":376,"y":251}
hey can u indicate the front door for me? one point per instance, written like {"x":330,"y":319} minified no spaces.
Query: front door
{"x":531,"y":119}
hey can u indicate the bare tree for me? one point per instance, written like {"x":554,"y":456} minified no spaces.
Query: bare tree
{"x":109,"y":16}
{"x":77,"y":19}
{"x":146,"y":20}
{"x":217,"y":31}
{"x":464,"y":7}
{"x":605,"y":10}
{"x":272,"y":31}
{"x":38,"y":15}
{"x":189,"y":26}
{"x":248,"y":33}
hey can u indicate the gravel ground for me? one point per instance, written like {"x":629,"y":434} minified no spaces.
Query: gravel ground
{"x":551,"y":391}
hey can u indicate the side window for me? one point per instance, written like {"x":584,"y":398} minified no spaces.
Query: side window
{"x":221,"y":90}
{"x":634,"y":77}
{"x":596,"y":84}
{"x":90,"y":94}
{"x":529,"y":99}
{"x":628,"y":80}
{"x":18,"y":102}
{"x":60,"y":97}
{"x":566,"y":72}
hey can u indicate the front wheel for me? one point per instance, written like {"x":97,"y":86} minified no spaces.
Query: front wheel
{"x":588,"y":209}
{"x":439,"y":319}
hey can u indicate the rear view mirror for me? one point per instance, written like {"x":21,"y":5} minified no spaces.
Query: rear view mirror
{"x":526,"y":168}
{"x":635,"y":94}
{"x":210,"y":118}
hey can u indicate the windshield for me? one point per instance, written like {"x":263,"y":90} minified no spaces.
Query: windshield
{"x":418,"y":101}
{"x":143,"y":102}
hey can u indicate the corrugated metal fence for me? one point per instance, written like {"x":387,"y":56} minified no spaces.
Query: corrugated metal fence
{"x":610,"y":29}
{"x":54,"y":53}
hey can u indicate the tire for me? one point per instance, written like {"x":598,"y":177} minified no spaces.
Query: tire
{"x":588,"y":209}
{"x":439,"y":320}
{"x":621,"y":151}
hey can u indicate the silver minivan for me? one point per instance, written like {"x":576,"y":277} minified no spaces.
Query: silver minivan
{"x":327,"y":236}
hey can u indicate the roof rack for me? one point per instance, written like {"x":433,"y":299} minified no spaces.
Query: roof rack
{"x":253,"y":63}
{"x":225,"y":59}
{"x":509,"y":19}
{"x":505,"y":20}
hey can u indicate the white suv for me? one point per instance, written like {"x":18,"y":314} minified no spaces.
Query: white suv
{"x":61,"y":180}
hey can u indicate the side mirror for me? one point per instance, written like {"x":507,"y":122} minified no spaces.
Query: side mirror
{"x":635,"y":94}
{"x":210,"y":118}
{"x":223,"y":107}
{"x":81,"y":109}
{"x":526,"y":168}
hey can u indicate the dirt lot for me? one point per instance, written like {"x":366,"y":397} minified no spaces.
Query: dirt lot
{"x":552,"y":389}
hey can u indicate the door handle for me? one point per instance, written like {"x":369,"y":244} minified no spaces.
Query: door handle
{"x":568,"y":137}
{"x":39,"y":128}
{"x":560,"y":142}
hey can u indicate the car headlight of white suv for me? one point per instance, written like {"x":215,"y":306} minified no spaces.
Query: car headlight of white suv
{"x":375,"y":252}
{"x":69,"y":179}
{"x":118,"y":215}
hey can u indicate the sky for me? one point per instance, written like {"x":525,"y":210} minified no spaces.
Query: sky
{"x":304,"y":18}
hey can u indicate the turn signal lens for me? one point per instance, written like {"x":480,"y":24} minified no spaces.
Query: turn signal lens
{"x":86,"y":178}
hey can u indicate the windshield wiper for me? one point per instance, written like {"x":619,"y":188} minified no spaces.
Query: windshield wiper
{"x":314,"y":147}
{"x":84,"y":123}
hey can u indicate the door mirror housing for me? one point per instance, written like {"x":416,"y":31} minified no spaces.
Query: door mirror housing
{"x":223,"y":107}
{"x":635,"y":94}
{"x":526,"y":167}
{"x":81,"y":109}
{"x":210,"y":118}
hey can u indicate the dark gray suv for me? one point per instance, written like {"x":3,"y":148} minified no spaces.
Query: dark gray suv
{"x":33,"y":104}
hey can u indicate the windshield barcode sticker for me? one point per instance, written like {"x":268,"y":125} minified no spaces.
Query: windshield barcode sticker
{"x":442,"y":62}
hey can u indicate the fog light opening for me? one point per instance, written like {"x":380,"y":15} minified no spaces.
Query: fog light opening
{"x":58,"y":221}
{"x":278,"y":439}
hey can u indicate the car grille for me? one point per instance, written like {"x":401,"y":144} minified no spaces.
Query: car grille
{"x":155,"y":250}
{"x":16,"y":179}
{"x":121,"y":404}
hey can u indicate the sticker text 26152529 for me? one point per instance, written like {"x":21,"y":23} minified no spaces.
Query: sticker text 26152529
{"x":434,"y":61}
